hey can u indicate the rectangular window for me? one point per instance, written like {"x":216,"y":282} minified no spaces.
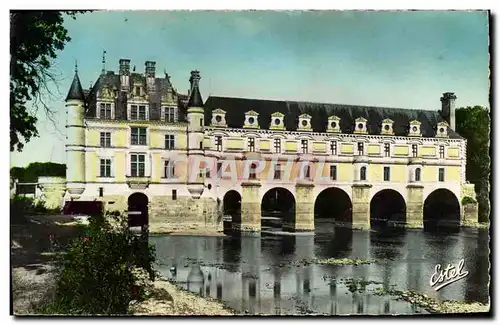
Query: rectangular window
{"x":105,"y":168}
{"x":142,"y":113}
{"x":170,"y":114}
{"x":362,"y":173}
{"x":307,"y":172}
{"x":414,"y":150}
{"x":219,"y":169}
{"x":207,"y":172}
{"x":333,"y":173}
{"x":201,"y":145}
{"x":106,"y":139}
{"x":333,"y":147}
{"x":387,"y":149}
{"x":137,"y":91}
{"x":201,"y":122}
{"x":277,"y":145}
{"x":252,"y":174}
{"x":105,"y":111}
{"x":133,"y":112}
{"x":304,"y":146}
{"x":441,"y":174}
{"x":174,"y":194}
{"x":138,"y":136}
{"x":251,"y":144}
{"x":169,"y":141}
{"x":168,"y":169}
{"x":361,"y":148}
{"x":137,"y":165}
{"x":218,"y":142}
{"x":277,"y":171}
{"x":101,"y":191}
{"x":441,"y":152}
{"x":387,"y":174}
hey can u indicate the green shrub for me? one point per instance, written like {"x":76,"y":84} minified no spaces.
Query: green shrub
{"x":40,"y":207}
{"x":468,"y":200}
{"x":103,"y":271}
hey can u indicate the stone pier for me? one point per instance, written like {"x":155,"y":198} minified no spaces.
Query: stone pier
{"x":361,"y":206}
{"x":304,"y":208}
{"x":415,"y":206}
{"x":250,"y":209}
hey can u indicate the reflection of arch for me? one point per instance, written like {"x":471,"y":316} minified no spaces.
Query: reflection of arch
{"x":441,"y":208}
{"x":333,"y":203}
{"x":386,"y":207}
{"x":232,"y":205}
{"x":277,"y":203}
{"x":138,"y":210}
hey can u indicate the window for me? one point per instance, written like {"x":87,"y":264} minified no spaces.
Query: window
{"x":362,"y":174}
{"x":201,"y":173}
{"x":106,"y":139}
{"x":218,"y":142}
{"x":138,"y":112}
{"x":333,"y":147}
{"x":219,"y":169}
{"x":252,"y":174}
{"x":201,"y":145}
{"x":387,"y":174}
{"x":307,"y":172}
{"x":361,"y":148}
{"x":101,"y":191}
{"x":441,"y":174}
{"x":277,"y":171}
{"x":137,"y":91}
{"x":304,"y":146}
{"x":441,"y":152}
{"x":105,"y":168}
{"x":137,"y":165}
{"x":139,"y":136}
{"x":333,"y":173}
{"x":170,"y":114}
{"x":414,"y":150}
{"x":169,"y":141}
{"x":105,"y":111}
{"x":168,"y":169}
{"x":277,"y":145}
{"x":201,"y":122}
{"x":387,"y":149}
{"x":174,"y":194}
{"x":207,"y":172}
{"x":418,"y":171}
{"x":251,"y":144}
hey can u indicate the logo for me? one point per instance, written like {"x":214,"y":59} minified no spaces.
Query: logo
{"x":452,"y":273}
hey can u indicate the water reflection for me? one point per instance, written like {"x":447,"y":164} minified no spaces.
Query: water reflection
{"x":273,"y":275}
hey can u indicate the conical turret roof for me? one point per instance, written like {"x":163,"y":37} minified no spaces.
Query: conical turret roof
{"x":76,"y":90}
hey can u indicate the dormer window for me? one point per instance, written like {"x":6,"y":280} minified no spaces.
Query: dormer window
{"x":219,"y":118}
{"x":304,"y":122}
{"x":414,"y":129}
{"x":105,"y":111}
{"x":442,"y":129}
{"x":138,"y":112}
{"x":170,"y":114}
{"x":387,"y":128}
{"x":360,"y":126}
{"x":137,"y":90}
{"x":251,"y":120}
{"x":333,"y":124}
{"x":277,"y":121}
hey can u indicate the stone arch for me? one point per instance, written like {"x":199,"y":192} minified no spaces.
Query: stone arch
{"x":138,"y":212}
{"x":277,"y":207}
{"x":231,"y":206}
{"x":333,"y":204}
{"x":387,"y":208}
{"x":441,"y":210}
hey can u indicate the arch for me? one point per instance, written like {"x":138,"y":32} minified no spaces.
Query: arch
{"x":138,"y":212}
{"x":231,"y":206}
{"x":441,"y":210}
{"x":277,"y":207}
{"x":333,"y":204}
{"x":387,"y":207}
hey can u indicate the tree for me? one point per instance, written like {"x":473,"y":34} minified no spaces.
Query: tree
{"x":473,"y":123}
{"x":35,"y":38}
{"x":31,"y":173}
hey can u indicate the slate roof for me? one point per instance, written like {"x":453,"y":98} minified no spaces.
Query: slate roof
{"x":75,"y":90}
{"x":236,"y":107}
{"x":112,"y":80}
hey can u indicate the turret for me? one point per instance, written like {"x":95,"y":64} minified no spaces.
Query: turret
{"x":75,"y":145}
{"x":195,"y":116}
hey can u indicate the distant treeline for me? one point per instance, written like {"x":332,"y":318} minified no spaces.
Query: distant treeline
{"x":31,"y":173}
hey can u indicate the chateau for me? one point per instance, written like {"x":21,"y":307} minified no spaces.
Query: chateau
{"x":173,"y":160}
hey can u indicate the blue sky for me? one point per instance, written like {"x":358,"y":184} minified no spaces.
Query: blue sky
{"x":395,"y":59}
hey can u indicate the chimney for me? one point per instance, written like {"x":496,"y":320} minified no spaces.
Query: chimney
{"x":150,"y":69}
{"x":124,"y":74}
{"x":448,"y":108}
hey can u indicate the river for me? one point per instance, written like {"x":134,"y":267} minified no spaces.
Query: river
{"x":273,"y":274}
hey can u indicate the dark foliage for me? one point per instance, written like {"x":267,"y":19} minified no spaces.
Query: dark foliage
{"x":31,"y":173}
